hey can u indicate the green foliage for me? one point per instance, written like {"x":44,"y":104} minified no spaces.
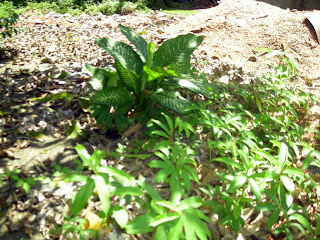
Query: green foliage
{"x":175,"y":221}
{"x":109,"y":7}
{"x":255,"y":133}
{"x":285,"y":68}
{"x":177,"y":168}
{"x":251,"y":131}
{"x":20,"y":179}
{"x":107,"y":181}
{"x":77,"y":7}
{"x":144,"y":77}
{"x":73,"y":228}
{"x":7,"y":20}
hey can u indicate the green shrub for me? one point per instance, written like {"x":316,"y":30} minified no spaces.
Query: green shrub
{"x":109,"y":7}
{"x":42,"y":7}
{"x":144,"y":77}
{"x":8,"y":18}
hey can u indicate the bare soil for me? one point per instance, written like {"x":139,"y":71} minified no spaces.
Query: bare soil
{"x":235,"y":29}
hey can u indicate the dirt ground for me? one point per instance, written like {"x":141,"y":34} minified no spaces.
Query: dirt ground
{"x":55,"y":43}
{"x":236,"y":28}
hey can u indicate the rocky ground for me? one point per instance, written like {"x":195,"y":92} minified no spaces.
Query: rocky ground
{"x":48,"y":57}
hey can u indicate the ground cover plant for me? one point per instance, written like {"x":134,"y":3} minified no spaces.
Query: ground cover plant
{"x":78,"y":7}
{"x":250,"y":136}
{"x":8,"y":18}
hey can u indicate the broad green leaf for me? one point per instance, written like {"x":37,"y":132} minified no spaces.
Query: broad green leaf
{"x":295,"y":172}
{"x":267,"y":156}
{"x":83,"y":154}
{"x":154,"y":73}
{"x":99,"y":77}
{"x":140,"y":225}
{"x":157,"y":164}
{"x":181,"y":67}
{"x":136,"y":40}
{"x":282,"y":196}
{"x":288,"y":183}
{"x":162,"y":125}
{"x":176,"y":50}
{"x":255,"y":189}
{"x":26,"y":186}
{"x":289,"y":235}
{"x":151,"y":51}
{"x":167,"y":217}
{"x":199,"y":227}
{"x":20,"y":181}
{"x":160,"y":233}
{"x":236,"y":211}
{"x":295,"y":148}
{"x":188,"y":225}
{"x":289,"y":200}
{"x":308,"y":160}
{"x":121,"y":176}
{"x":175,"y":230}
{"x":191,"y":202}
{"x":77,"y":178}
{"x":273,"y":219}
{"x":185,"y":179}
{"x":160,"y":133}
{"x":114,"y":97}
{"x":184,"y":126}
{"x":134,"y":191}
{"x":283,"y":155}
{"x":237,"y":183}
{"x":82,"y":197}
{"x":103,"y":192}
{"x":202,"y":230}
{"x":123,"y":53}
{"x":169,"y":121}
{"x":96,"y":158}
{"x":74,"y":130}
{"x":150,"y":190}
{"x":120,"y":215}
{"x":294,"y":225}
{"x":192,"y":171}
{"x":171,"y":100}
{"x":128,"y":78}
{"x":258,"y":102}
{"x":168,"y":205}
{"x":229,"y":161}
{"x":302,"y":220}
{"x":164,"y":155}
{"x":175,"y":188}
{"x":188,"y":82}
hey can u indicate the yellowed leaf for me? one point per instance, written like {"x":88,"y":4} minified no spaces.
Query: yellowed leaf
{"x":93,"y":221}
